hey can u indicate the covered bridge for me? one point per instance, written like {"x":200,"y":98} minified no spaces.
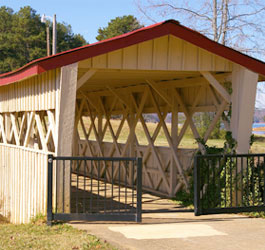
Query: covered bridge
{"x":64,"y":105}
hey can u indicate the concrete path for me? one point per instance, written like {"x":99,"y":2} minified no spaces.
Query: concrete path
{"x":168,"y":226}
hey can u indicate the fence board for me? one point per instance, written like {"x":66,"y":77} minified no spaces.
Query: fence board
{"x":23,"y":183}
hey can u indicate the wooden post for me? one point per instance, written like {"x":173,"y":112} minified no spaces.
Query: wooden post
{"x":65,"y":120}
{"x":100,"y":130}
{"x":244,"y":85}
{"x":174,"y":136}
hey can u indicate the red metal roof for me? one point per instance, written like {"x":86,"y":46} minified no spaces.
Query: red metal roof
{"x":147,"y":33}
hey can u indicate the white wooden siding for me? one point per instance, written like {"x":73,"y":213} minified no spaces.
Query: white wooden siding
{"x":23,"y":183}
{"x":163,"y":53}
{"x":33,"y":94}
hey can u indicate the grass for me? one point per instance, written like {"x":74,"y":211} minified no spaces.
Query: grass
{"x":37,"y":235}
{"x":187,"y":142}
{"x":184,"y":199}
{"x":255,"y":214}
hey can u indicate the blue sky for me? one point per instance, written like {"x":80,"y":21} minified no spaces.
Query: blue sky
{"x":85,"y":16}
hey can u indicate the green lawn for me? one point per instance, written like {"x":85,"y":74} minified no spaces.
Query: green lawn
{"x":39,"y":236}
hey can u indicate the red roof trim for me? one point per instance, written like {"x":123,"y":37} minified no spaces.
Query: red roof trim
{"x":203,"y":42}
{"x":147,"y":33}
{"x":21,"y":74}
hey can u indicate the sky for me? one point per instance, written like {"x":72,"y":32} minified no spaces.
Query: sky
{"x":85,"y":16}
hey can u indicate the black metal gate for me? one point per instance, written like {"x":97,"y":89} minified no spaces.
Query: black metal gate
{"x":229,"y":183}
{"x":101,"y":189}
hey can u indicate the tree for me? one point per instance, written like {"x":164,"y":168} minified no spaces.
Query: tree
{"x":23,"y":38}
{"x":66,"y":39}
{"x":118,"y":26}
{"x":235,"y":23}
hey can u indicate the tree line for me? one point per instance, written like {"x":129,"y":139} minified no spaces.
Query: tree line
{"x":23,"y":36}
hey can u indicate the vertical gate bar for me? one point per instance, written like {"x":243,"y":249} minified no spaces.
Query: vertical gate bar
{"x":263,"y":180}
{"x":247,"y":183}
{"x":105,"y":188}
{"x":219,"y":182}
{"x":225,"y":178}
{"x":231,"y":181}
{"x":125,"y":182}
{"x":63,"y":182}
{"x":259,"y":181}
{"x":133,"y":185}
{"x":112,"y":183}
{"x":252,"y":162}
{"x":49,"y":193}
{"x":56,"y":198}
{"x":71,"y":171}
{"x":225,"y":166}
{"x":119,"y":173}
{"x":242,"y":190}
{"x":197,"y":208}
{"x":77,"y":185}
{"x":98,"y":166}
{"x":139,"y":190}
{"x":91,"y":185}
{"x":214,"y":191}
{"x":84,"y":193}
{"x":236,"y":177}
{"x":208,"y":182}
{"x":202,"y":182}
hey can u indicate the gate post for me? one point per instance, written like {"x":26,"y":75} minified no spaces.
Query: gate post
{"x":49,"y":191}
{"x":196,"y":176}
{"x":139,"y":191}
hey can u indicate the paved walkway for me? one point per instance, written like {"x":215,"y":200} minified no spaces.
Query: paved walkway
{"x":168,"y":226}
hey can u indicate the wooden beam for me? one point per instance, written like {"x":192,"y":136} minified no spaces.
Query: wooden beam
{"x":215,"y":120}
{"x":29,"y":127}
{"x":171,"y":146}
{"x":120,"y":97}
{"x":91,"y":101}
{"x":65,"y":120}
{"x":22,"y":126}
{"x":52,"y":125}
{"x":160,"y":92}
{"x":40,"y":131}
{"x":174,"y":136}
{"x":219,"y":88}
{"x":187,"y":113}
{"x":3,"y":129}
{"x":14,"y":127}
{"x":151,"y":143}
{"x":85,"y":78}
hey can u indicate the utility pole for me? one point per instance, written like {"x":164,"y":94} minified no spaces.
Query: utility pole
{"x":48,"y":40}
{"x":54,"y":33}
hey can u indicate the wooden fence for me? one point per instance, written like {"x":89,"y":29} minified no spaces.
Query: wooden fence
{"x":23,"y":183}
